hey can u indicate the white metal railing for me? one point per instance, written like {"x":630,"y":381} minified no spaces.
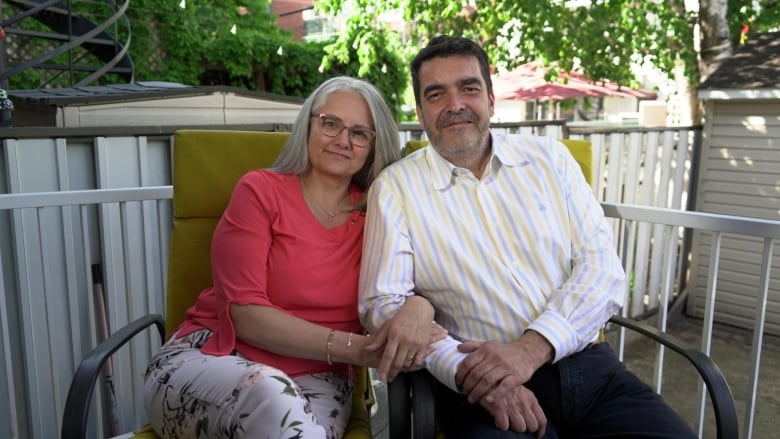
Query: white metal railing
{"x":46,"y":330}
{"x":675,"y":225}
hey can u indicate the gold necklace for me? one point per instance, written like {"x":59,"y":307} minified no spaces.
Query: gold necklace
{"x":306,"y":191}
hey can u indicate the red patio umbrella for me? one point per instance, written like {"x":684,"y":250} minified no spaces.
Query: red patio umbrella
{"x":527,"y":83}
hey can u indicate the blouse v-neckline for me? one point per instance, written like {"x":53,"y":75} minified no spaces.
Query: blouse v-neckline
{"x":348,"y":219}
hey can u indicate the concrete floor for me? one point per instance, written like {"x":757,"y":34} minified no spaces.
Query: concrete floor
{"x":731,"y":351}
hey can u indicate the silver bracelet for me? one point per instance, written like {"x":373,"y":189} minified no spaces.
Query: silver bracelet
{"x":329,"y":345}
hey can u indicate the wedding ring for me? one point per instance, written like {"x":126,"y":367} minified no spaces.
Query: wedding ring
{"x":410,"y":357}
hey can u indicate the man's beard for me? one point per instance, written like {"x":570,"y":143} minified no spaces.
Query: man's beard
{"x":460,"y":141}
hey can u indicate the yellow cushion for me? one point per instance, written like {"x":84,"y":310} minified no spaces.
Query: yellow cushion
{"x":412,"y":146}
{"x":145,"y":432}
{"x":359,"y":426}
{"x":206,"y":166}
{"x":189,"y":266}
{"x":211,"y":162}
{"x":582,"y":150}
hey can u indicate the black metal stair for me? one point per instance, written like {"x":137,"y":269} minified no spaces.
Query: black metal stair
{"x":91,"y":49}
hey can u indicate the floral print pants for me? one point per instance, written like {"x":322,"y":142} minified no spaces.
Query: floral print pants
{"x":189,"y":394}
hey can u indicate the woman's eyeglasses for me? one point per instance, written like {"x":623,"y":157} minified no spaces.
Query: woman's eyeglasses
{"x":332,"y":127}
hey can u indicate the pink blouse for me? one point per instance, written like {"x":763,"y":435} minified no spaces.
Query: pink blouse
{"x":268,"y":249}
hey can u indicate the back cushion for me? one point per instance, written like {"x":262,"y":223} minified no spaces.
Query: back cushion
{"x":206,"y":166}
{"x":582,"y":150}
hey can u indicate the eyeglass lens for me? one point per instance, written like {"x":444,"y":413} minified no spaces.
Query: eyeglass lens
{"x":333,"y":127}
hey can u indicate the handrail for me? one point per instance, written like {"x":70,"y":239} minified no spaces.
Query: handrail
{"x":89,"y":196}
{"x":697,"y":220}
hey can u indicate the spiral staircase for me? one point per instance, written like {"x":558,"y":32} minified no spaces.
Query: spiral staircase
{"x":64,"y":43}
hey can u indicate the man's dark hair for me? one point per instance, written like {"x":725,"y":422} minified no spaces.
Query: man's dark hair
{"x":443,"y":46}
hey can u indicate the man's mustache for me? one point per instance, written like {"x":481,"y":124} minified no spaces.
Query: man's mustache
{"x":465,"y":116}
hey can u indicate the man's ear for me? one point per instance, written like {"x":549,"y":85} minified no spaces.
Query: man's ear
{"x":418,"y":110}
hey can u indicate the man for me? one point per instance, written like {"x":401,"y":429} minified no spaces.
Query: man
{"x":504,"y":237}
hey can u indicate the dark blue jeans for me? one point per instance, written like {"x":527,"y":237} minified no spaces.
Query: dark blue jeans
{"x":589,"y":394}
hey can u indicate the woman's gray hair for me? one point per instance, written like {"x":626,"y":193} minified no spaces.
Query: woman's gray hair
{"x":294,"y":158}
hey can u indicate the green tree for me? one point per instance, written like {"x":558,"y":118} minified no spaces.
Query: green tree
{"x":602,"y":38}
{"x":222,"y":42}
{"x":178,"y":41}
{"x":236,"y":42}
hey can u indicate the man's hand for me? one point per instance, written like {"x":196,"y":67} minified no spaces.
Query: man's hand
{"x":518,"y":410}
{"x":493,"y":369}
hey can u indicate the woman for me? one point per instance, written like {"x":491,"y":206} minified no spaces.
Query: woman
{"x":267,"y":350}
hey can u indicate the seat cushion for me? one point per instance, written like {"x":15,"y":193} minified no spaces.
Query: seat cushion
{"x":145,"y":432}
{"x":359,"y":426}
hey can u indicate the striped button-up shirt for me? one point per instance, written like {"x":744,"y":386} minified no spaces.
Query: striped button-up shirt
{"x":524,"y":247}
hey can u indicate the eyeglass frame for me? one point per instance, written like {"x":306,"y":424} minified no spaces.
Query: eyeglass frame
{"x":350,"y":129}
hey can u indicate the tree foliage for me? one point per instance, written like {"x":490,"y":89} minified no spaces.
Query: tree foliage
{"x":602,"y":38}
{"x":224,"y":42}
{"x":178,"y":43}
{"x":237,"y":42}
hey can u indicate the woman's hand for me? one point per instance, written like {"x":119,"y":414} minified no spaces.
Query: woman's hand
{"x":404,"y":339}
{"x":363,"y":355}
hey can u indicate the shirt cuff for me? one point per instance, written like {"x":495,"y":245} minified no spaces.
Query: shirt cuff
{"x":558,"y":332}
{"x":443,"y":362}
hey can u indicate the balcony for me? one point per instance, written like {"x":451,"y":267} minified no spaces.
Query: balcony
{"x":74,"y":200}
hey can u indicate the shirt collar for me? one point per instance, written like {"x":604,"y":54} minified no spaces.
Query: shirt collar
{"x":506,"y":151}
